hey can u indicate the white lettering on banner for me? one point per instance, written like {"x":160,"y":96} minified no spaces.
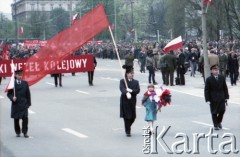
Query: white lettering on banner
{"x":72,"y":65}
{"x":46,"y":65}
{"x":3,"y":68}
{"x":78,"y":63}
{"x":85,"y":63}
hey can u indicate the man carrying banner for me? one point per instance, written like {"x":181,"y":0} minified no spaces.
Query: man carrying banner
{"x":90,"y":73}
{"x":128,"y":99}
{"x":21,"y":101}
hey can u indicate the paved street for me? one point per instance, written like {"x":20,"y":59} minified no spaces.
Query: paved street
{"x":77,"y":120}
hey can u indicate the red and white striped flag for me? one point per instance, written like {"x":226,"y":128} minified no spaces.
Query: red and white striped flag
{"x":11,"y":82}
{"x":20,"y":30}
{"x":74,"y":18}
{"x":174,"y":44}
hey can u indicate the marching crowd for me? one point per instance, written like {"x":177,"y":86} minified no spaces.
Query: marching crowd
{"x":224,"y":58}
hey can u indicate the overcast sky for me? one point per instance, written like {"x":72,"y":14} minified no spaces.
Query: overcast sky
{"x":5,"y":6}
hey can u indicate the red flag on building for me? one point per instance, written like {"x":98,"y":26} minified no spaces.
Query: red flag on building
{"x":173,"y":45}
{"x":20,"y":30}
{"x":66,"y":42}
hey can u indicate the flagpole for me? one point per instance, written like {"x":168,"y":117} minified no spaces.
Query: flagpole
{"x":207,"y":7}
{"x":120,"y":63}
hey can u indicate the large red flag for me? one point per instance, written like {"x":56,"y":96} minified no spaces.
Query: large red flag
{"x":67,"y":42}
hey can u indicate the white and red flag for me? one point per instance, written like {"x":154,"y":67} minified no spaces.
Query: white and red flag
{"x":173,"y":45}
{"x":20,"y":30}
{"x":74,"y":18}
{"x":11,"y":82}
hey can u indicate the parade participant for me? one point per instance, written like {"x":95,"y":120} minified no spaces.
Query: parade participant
{"x":171,"y":61}
{"x":150,"y":67}
{"x":142,"y":59}
{"x":21,"y":101}
{"x":193,"y":61}
{"x":149,"y":103}
{"x":233,"y":67}
{"x":128,"y":99}
{"x":57,"y":78}
{"x":216,"y":92}
{"x":129,"y":58}
{"x":90,"y":73}
{"x":181,"y":67}
{"x":223,"y":62}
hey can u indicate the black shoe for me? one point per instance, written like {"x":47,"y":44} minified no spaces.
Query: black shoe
{"x":26,"y":136}
{"x":18,"y":135}
{"x":56,"y":85}
{"x":60,"y":85}
{"x":155,"y":83}
{"x":128,"y":135}
{"x":220,"y":126}
{"x":216,"y":128}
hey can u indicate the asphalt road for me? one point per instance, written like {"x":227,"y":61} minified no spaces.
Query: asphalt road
{"x":77,"y":120}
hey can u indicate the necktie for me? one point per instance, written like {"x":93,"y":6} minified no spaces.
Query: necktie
{"x":216,"y":78}
{"x":19,"y":82}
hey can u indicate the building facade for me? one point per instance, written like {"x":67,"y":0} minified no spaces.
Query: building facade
{"x":23,"y":8}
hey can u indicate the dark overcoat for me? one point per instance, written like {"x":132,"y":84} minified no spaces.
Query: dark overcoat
{"x":216,"y":92}
{"x":128,"y":106}
{"x":20,"y":106}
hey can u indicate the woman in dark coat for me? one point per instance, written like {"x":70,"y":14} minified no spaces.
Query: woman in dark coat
{"x":21,"y":101}
{"x":128,"y":100}
{"x":216,"y":92}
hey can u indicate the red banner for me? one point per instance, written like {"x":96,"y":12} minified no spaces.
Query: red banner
{"x":32,"y":43}
{"x":79,"y":63}
{"x":68,"y":41}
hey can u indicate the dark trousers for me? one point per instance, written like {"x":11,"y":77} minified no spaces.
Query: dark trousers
{"x":181,"y":77}
{"x":170,"y":75}
{"x":128,"y":123}
{"x":233,"y":77}
{"x":151,"y":75}
{"x":56,"y":77}
{"x":24,"y":125}
{"x":142,"y":67}
{"x":90,"y":77}
{"x":217,"y":118}
{"x":163,"y":76}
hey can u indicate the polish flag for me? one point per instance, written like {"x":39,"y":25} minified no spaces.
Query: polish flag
{"x":12,"y":80}
{"x":174,"y":44}
{"x":74,"y":18}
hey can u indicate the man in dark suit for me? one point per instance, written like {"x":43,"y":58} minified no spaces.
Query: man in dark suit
{"x":128,"y":100}
{"x":181,"y":67}
{"x":171,"y":61}
{"x":216,"y":92}
{"x":90,"y":73}
{"x":21,"y":101}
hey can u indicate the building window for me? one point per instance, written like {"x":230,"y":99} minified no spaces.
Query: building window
{"x":52,"y":6}
{"x":32,"y":7}
{"x":43,"y":7}
{"x":69,"y":7}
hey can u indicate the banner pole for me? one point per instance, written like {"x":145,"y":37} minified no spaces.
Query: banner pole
{"x":120,"y":63}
